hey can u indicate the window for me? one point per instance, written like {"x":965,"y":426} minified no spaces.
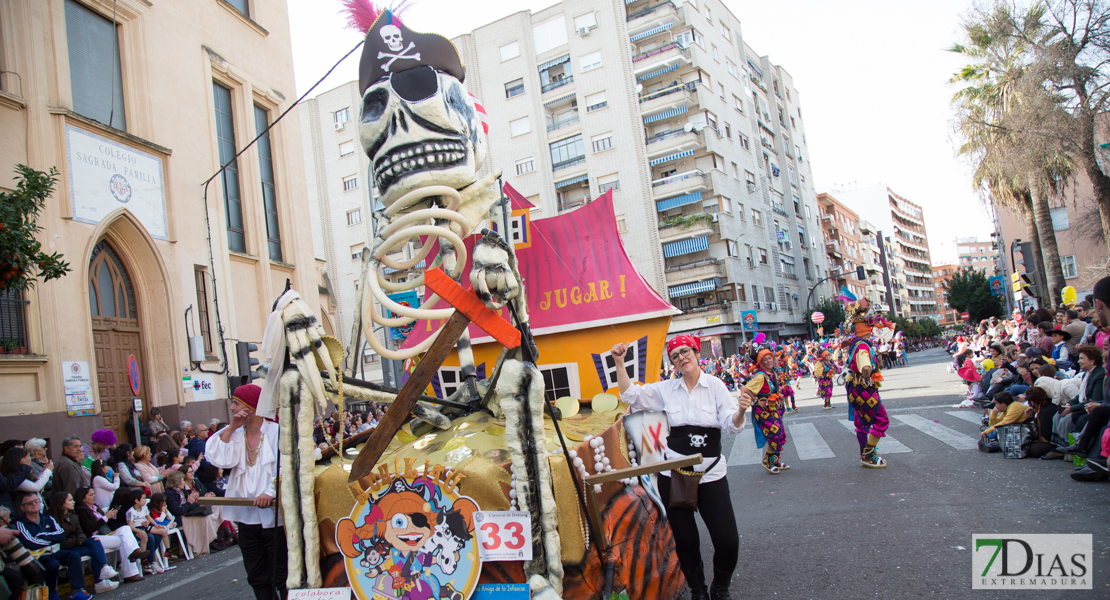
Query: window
{"x":757,"y":218}
{"x":686,"y":38}
{"x":520,"y":126}
{"x":586,"y":21}
{"x":733,"y":247}
{"x":726,"y":205}
{"x":768,"y":295}
{"x":738,"y":104}
{"x":95,"y":75}
{"x":740,"y":211}
{"x":622,"y":225}
{"x":568,"y":151}
{"x":608,"y":182}
{"x":225,"y":139}
{"x":518,"y":229}
{"x":716,"y":56}
{"x":744,"y":143}
{"x":350,"y":183}
{"x":805,"y":265}
{"x":763,"y":258}
{"x":560,"y":380}
{"x":596,"y":101}
{"x":550,"y":35}
{"x":787,"y":267}
{"x":1068,"y":265}
{"x":1059,"y":217}
{"x":354,"y":217}
{"x":509,"y":51}
{"x":801,"y":235}
{"x":370,"y":357}
{"x":356,"y":251}
{"x":526,"y":165}
{"x":514,"y":88}
{"x":590,"y":61}
{"x":710,"y":207}
{"x":347,"y":148}
{"x":721,"y":90}
{"x":555,"y":74}
{"x":341,"y":116}
{"x":735,"y":171}
{"x":741,"y":293}
{"x":602,"y":142}
{"x":728,"y":131}
{"x":631,"y":365}
{"x":725,"y":32}
{"x":711,"y":122}
{"x":731,"y":68}
{"x":269,"y":189}
{"x":202,"y":309}
{"x":241,"y":6}
{"x":450,"y":380}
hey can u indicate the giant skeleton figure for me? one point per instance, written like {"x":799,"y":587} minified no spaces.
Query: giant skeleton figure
{"x":425,"y":138}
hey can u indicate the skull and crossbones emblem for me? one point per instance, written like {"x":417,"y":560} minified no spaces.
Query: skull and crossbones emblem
{"x":391,"y":35}
{"x":698,"y":441}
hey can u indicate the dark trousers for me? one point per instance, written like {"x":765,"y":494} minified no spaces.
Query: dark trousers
{"x":715,"y":507}
{"x":265,"y":559}
{"x":1090,"y":443}
{"x":74,"y":570}
{"x":95,"y":552}
{"x":14,"y":581}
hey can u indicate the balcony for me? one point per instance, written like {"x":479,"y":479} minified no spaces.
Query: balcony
{"x":672,"y":229}
{"x":642,"y":19}
{"x":664,"y":57}
{"x":833,"y":248}
{"x":566,"y":164}
{"x":695,"y":271}
{"x":557,"y":83}
{"x":705,"y":308}
{"x":564,"y":123}
{"x":667,"y":142}
{"x":668,"y":97}
{"x":680,"y":183}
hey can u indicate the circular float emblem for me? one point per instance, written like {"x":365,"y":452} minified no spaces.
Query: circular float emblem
{"x":412,"y":539}
{"x":817,"y":316}
{"x":120,"y":188}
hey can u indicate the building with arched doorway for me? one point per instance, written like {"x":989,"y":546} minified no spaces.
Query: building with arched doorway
{"x":138,"y":105}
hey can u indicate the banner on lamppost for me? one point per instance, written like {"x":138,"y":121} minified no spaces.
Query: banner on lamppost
{"x":751,"y":322}
{"x":998,"y":288}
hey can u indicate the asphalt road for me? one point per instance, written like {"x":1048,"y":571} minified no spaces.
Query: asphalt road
{"x":830,"y":529}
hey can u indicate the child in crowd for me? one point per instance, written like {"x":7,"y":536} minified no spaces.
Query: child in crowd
{"x":159,"y":513}
{"x":138,"y":519}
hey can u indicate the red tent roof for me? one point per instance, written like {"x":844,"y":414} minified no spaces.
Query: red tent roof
{"x":576,"y":274}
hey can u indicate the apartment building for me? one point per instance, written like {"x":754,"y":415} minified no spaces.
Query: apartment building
{"x":942,"y":273}
{"x":979,"y":255}
{"x":902,"y":221}
{"x":340,"y":200}
{"x":876,"y":253}
{"x":843,"y":244}
{"x":700,"y":138}
{"x":138,"y":105}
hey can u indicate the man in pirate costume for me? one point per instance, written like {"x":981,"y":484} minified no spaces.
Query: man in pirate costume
{"x":823,"y":370}
{"x":764,"y":392}
{"x":863,"y":379}
{"x":698,"y":408}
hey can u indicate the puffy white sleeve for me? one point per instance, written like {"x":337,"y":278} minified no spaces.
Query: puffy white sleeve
{"x":645,"y":397}
{"x":727,"y":407}
{"x":223,"y":455}
{"x":36,"y":486}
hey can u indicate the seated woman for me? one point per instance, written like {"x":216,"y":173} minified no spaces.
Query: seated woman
{"x":1043,"y":412}
{"x":62,"y":509}
{"x":203,"y":523}
{"x":95,"y":524}
{"x":1092,"y":388}
{"x":1006,"y":411}
{"x":151,"y":477}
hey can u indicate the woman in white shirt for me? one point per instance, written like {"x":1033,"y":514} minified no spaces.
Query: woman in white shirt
{"x":698,"y":407}
{"x":104,"y":482}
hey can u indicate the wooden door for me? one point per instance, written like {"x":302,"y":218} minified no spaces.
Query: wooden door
{"x":116,"y":334}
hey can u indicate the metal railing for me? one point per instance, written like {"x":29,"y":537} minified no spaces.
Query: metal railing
{"x":564,"y":123}
{"x":678,"y":177}
{"x":558,"y":83}
{"x":659,"y":50}
{"x":569,"y":163}
{"x":648,"y":11}
{"x":689,"y":86}
{"x":13,"y":323}
{"x":666,"y":135}
{"x":707,"y":307}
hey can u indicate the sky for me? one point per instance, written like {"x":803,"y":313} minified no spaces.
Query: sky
{"x":872,"y":76}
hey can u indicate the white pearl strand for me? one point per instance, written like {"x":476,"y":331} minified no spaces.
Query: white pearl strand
{"x":512,"y":488}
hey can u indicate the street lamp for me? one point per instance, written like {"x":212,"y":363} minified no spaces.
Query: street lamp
{"x":809,"y":299}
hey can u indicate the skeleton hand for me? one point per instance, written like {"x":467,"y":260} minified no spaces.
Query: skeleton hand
{"x":490,"y":274}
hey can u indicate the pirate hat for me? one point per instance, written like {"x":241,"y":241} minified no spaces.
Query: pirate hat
{"x":391,"y":48}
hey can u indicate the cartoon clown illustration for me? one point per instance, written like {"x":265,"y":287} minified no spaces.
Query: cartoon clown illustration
{"x":415,"y":536}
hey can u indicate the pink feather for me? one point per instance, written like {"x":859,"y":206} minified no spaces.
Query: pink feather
{"x":361,"y":14}
{"x":759,"y":338}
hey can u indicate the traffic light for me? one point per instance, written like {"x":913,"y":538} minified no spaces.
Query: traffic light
{"x":246,"y":362}
{"x":1030,"y":279}
{"x":861,"y":273}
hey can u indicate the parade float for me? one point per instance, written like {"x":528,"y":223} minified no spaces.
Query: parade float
{"x":504,"y":477}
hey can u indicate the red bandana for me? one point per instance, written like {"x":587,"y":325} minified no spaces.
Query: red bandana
{"x":684,"y":340}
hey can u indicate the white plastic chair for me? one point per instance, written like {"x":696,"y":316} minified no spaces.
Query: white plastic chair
{"x":181,"y":542}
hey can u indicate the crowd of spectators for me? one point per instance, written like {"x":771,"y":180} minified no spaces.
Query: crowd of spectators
{"x":1044,"y":371}
{"x":109,"y":496}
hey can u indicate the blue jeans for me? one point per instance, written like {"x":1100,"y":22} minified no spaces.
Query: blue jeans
{"x":95,"y":551}
{"x":1018,"y":389}
{"x":71,"y":561}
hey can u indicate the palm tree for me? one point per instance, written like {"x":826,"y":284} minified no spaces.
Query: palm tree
{"x":998,"y":104}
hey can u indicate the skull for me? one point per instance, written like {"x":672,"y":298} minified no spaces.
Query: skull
{"x":430,"y":135}
{"x":391,"y":35}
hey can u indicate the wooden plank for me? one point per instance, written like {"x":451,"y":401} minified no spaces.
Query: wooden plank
{"x":468,"y":303}
{"x":398,"y":412}
{"x":218,"y":501}
{"x":666,"y":465}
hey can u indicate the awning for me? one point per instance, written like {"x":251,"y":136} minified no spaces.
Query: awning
{"x":657,"y":72}
{"x":689,"y":289}
{"x":786,"y":258}
{"x":686,"y":246}
{"x":661,"y":160}
{"x":551,"y":63}
{"x":677,"y":201}
{"x":750,"y":64}
{"x":651,"y":32}
{"x":666,"y":114}
{"x":388,"y":270}
{"x":573,"y":180}
{"x":559,"y":99}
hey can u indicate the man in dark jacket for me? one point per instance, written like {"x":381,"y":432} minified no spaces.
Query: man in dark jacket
{"x":38,"y":530}
{"x":69,"y":474}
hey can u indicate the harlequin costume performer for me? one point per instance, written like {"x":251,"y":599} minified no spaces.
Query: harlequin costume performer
{"x":698,"y":407}
{"x":823,"y":370}
{"x":863,"y":379}
{"x":764,"y":392}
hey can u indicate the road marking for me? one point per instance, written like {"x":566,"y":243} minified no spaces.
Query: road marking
{"x":947,"y":435}
{"x":744,"y":451}
{"x":966,"y":416}
{"x":809,"y":444}
{"x":888,"y":445}
{"x":161,"y":592}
